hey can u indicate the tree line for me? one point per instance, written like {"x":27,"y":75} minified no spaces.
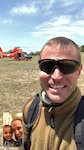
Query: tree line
{"x":38,"y":52}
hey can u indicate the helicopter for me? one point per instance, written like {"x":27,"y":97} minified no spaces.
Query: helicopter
{"x":2,"y":54}
{"x":16,"y":53}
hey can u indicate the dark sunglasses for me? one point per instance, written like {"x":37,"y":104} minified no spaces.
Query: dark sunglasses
{"x":66,"y":66}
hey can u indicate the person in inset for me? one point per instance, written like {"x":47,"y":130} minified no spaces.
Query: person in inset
{"x":59,"y":70}
{"x":8,"y":141}
{"x":17,"y":128}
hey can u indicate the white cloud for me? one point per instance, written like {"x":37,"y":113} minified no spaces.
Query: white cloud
{"x":49,"y":4}
{"x":62,"y":26}
{"x":68,"y":3}
{"x":24,"y":9}
{"x":54,"y":22}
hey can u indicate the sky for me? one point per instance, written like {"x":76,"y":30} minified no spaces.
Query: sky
{"x":29,"y":24}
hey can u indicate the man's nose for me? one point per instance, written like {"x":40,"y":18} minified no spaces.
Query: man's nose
{"x":16,"y":132}
{"x":57,"y":74}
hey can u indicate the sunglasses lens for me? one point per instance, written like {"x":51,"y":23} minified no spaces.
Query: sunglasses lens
{"x":46,"y":66}
{"x":68,"y":66}
{"x":65,"y":66}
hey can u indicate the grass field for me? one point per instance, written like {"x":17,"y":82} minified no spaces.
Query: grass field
{"x":19,"y":82}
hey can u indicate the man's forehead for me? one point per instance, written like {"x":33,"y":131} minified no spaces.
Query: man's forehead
{"x":16,"y":126}
{"x":16,"y":122}
{"x":58,"y":49}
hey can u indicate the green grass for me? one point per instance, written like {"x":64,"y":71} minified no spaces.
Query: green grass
{"x":19,"y":81}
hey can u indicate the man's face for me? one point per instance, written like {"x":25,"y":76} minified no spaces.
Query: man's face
{"x":7,"y":133}
{"x":17,"y":128}
{"x":57,"y":85}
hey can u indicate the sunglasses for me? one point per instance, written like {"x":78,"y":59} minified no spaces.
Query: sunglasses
{"x":66,"y":66}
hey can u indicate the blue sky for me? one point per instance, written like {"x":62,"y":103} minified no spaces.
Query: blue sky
{"x":30,"y":23}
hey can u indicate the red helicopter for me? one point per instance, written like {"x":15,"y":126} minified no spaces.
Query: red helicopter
{"x":16,"y":53}
{"x":2,"y":54}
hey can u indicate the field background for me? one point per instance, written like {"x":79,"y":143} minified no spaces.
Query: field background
{"x":19,"y":81}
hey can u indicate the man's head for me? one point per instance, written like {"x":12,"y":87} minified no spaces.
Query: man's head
{"x":17,"y":128}
{"x":7,"y":132}
{"x":59,"y":68}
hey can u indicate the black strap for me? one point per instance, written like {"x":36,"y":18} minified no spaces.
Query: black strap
{"x":33,"y":111}
{"x":79,"y":115}
{"x":79,"y":125}
{"x":32,"y":115}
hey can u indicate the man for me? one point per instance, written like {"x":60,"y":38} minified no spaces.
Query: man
{"x":59,"y":69}
{"x":17,"y":128}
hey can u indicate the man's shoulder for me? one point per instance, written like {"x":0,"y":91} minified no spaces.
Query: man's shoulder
{"x":31,"y":109}
{"x":26,"y":107}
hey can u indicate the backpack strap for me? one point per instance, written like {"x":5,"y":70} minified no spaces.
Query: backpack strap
{"x":29,"y":121}
{"x":79,"y":124}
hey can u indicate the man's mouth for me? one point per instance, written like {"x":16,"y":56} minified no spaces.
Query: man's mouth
{"x":57,"y":86}
{"x":20,"y":136}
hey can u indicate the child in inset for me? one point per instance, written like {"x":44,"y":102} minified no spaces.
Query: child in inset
{"x":7,"y":136}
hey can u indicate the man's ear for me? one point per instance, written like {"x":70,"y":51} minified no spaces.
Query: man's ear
{"x":80,"y":69}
